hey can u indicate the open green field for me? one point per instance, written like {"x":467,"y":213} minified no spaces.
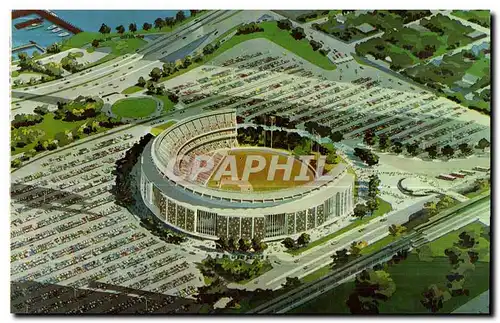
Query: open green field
{"x":411,"y":277}
{"x":159,"y":129}
{"x":383,"y":208}
{"x":258,"y":181}
{"x":132,"y":89}
{"x":480,"y":17}
{"x":134,"y":107}
{"x":438,"y":246}
{"x":124,"y":46}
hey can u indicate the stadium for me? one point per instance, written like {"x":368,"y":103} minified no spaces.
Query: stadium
{"x":227,"y":194}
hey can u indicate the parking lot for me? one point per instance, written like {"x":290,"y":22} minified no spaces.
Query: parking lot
{"x":67,"y":230}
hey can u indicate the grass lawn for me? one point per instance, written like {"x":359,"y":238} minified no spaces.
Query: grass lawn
{"x":411,"y":276}
{"x":134,"y":107}
{"x":158,"y":129}
{"x":438,"y":246}
{"x":132,"y":89}
{"x":323,"y":271}
{"x":50,"y":127}
{"x":207,"y":280}
{"x":123,"y":46}
{"x":480,"y":68}
{"x":282,"y":38}
{"x":377,"y":245}
{"x":481,"y":17}
{"x":258,"y":180}
{"x":14,"y":73}
{"x":478,"y":192}
{"x":167,"y":104}
{"x":383,"y":208}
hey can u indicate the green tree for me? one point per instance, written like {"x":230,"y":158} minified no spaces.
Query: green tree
{"x":448,"y":151}
{"x":369,"y":138}
{"x":155,"y":74}
{"x":483,"y":144}
{"x":396,"y":230}
{"x":233,"y":244}
{"x":95,"y":43}
{"x":467,"y":240}
{"x":413,"y":149}
{"x":104,"y":29}
{"x":244,"y":245}
{"x":371,"y":287}
{"x":141,"y":82}
{"x":159,"y":23}
{"x":120,"y":29}
{"x":372,"y":205}
{"x":340,"y":257}
{"x":434,"y":298}
{"x":62,"y":139}
{"x":397,"y":147}
{"x":303,"y":239}
{"x":336,"y":136}
{"x":360,"y":211}
{"x":291,"y":283}
{"x":355,"y":248}
{"x":146,"y":26}
{"x":384,"y":142}
{"x":170,"y":22}
{"x":180,"y":16}
{"x":221,"y":243}
{"x":432,"y":151}
{"x":132,"y":27}
{"x":288,"y":242}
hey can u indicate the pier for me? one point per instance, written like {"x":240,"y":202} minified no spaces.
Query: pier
{"x":45,"y":14}
{"x":27,"y":23}
{"x":29,"y":45}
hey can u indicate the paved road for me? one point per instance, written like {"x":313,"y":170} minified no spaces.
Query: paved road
{"x":307,"y":292}
{"x":318,"y":257}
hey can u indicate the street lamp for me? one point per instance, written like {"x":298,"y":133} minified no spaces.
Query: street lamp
{"x":272,"y":124}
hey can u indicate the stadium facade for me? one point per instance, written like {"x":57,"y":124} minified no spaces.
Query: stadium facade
{"x":188,"y":205}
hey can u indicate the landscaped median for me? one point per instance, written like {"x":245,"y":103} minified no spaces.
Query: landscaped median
{"x":159,"y":129}
{"x":382,"y":209}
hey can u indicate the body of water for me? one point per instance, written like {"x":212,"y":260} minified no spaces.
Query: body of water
{"x":41,"y":35}
{"x":91,"y":20}
{"x":86,"y":20}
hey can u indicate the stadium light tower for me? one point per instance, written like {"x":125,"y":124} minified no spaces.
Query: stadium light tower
{"x":272,"y":124}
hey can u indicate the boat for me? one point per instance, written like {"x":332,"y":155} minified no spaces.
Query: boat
{"x":34,"y":26}
{"x":51,"y":27}
{"x":56,"y":30}
{"x":63,"y":34}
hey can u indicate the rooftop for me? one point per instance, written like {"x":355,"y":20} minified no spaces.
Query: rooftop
{"x":365,"y":28}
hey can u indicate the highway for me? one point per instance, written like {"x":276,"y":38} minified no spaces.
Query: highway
{"x":124,"y":71}
{"x":426,"y":233}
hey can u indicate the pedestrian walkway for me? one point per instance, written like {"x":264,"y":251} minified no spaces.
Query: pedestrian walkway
{"x":477,"y":305}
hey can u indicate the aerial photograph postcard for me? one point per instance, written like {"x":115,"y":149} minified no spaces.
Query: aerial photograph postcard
{"x":247,"y":162}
